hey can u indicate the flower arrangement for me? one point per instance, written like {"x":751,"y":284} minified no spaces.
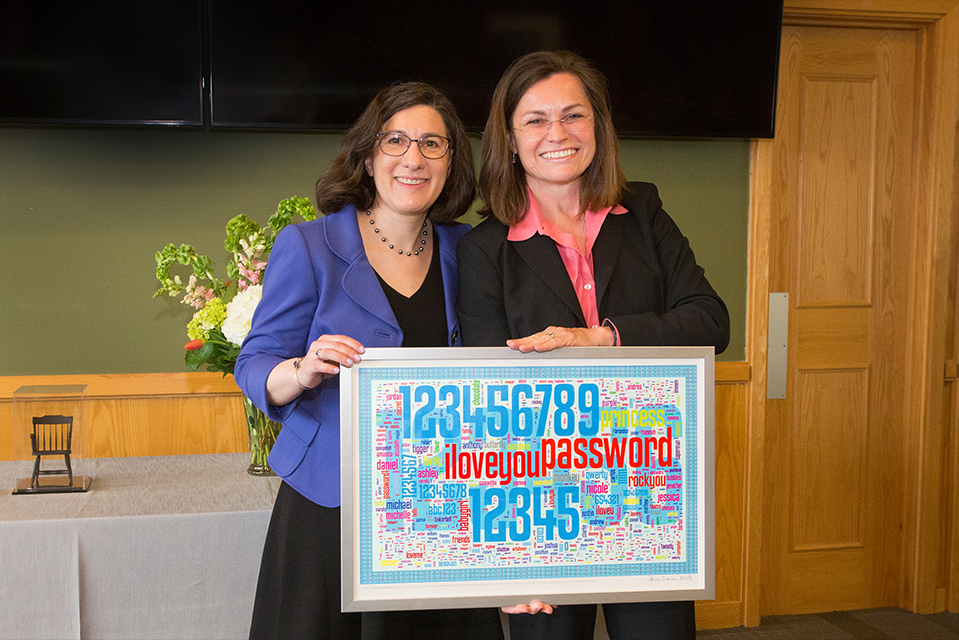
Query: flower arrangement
{"x":224,"y":309}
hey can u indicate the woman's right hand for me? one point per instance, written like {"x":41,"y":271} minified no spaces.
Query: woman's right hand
{"x":532,"y":608}
{"x":324,"y":358}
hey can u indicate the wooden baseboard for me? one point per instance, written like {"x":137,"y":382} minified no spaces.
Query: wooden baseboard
{"x":718,"y":615}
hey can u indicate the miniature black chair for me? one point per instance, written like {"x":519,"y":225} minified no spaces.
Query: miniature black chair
{"x":52,"y":436}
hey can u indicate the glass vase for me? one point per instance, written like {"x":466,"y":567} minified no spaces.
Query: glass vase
{"x":263,"y":433}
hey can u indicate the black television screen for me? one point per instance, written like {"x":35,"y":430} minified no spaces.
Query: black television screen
{"x":676,"y":68}
{"x":101,"y":62}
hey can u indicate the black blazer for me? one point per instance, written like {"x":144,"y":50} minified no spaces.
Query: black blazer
{"x":647,"y":282}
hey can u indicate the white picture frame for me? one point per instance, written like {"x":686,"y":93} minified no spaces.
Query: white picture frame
{"x":592,"y":509}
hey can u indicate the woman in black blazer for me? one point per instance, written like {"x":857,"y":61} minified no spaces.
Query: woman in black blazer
{"x":573,"y":255}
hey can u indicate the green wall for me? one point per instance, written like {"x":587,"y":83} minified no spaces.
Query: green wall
{"x":84,"y":211}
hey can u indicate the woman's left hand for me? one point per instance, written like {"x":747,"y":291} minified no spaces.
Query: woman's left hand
{"x":555,"y":337}
{"x":532,"y":608}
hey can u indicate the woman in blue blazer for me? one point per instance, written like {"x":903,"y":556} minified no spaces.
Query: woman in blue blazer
{"x":378,"y":271}
{"x":571,"y":255}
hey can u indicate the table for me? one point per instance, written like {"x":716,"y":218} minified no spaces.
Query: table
{"x":160,"y":547}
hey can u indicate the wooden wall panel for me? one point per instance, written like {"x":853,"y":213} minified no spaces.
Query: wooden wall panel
{"x":836,"y":264}
{"x":145,"y":414}
{"x":726,"y":610}
{"x":949,"y":504}
{"x":167,"y":426}
{"x":829,"y":488}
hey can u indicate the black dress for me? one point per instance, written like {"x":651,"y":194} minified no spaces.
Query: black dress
{"x":298,"y":593}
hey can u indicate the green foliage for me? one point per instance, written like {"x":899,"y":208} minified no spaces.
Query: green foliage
{"x":240,"y":227}
{"x":217,"y":353}
{"x":250,"y":245}
{"x":185,"y":255}
{"x":287,"y":209}
{"x":259,"y":241}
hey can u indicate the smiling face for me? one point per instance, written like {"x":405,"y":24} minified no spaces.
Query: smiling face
{"x":557,"y":156}
{"x":409,"y":184}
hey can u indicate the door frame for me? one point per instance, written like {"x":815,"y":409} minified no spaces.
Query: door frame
{"x":936,"y":210}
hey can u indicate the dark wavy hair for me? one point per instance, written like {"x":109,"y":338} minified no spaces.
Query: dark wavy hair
{"x":502,"y":183}
{"x":347,"y":181}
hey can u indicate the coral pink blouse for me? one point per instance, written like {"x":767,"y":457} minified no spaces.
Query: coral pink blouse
{"x":578,"y":266}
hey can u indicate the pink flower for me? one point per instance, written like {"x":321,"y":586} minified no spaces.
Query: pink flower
{"x":250,"y":276}
{"x":197,"y":297}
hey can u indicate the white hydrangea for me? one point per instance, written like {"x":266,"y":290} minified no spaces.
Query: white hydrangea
{"x":239,"y":314}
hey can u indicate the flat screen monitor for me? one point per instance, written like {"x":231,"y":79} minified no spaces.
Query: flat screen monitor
{"x":101,"y":62}
{"x":675,"y":68}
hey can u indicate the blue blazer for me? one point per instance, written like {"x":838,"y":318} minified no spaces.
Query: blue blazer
{"x":319,"y":281}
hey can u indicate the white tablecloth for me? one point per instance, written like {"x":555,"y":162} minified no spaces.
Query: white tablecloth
{"x":164,"y":547}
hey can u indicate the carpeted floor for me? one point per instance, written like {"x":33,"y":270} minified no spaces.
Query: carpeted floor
{"x":889,"y":623}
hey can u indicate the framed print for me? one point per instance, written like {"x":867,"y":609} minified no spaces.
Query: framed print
{"x":477,"y":477}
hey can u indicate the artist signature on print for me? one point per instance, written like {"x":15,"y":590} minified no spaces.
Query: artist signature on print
{"x":685,"y":578}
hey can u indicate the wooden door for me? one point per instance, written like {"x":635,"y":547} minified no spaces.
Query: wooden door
{"x":841,"y":245}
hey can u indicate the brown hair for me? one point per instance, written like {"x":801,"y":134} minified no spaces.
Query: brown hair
{"x":347,"y":181}
{"x":502,"y":183}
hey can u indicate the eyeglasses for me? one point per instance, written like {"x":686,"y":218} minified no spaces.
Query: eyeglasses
{"x":573,"y":123}
{"x":396,"y":144}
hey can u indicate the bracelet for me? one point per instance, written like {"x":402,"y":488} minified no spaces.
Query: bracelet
{"x":296,"y":371}
{"x":609,"y":324}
